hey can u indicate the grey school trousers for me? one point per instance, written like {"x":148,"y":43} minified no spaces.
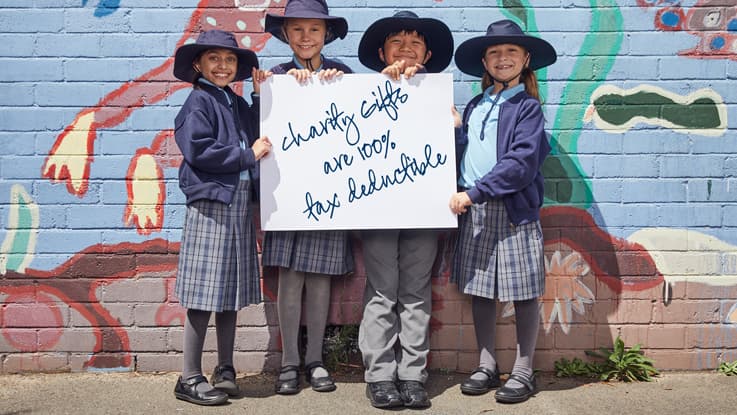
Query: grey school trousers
{"x":397,"y":303}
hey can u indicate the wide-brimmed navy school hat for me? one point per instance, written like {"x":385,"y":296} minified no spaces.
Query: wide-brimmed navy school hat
{"x":306,"y":9}
{"x":213,"y":39}
{"x":469,"y":53}
{"x":438,"y":38}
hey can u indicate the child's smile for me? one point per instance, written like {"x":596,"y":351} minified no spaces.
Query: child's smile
{"x":407,"y":46}
{"x":505,"y":62}
{"x":306,"y":38}
{"x":218,"y":66}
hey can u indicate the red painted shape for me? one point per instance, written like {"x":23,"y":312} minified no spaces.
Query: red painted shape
{"x":159,"y":83}
{"x":617,"y":262}
{"x":76,"y":282}
{"x":26,"y":309}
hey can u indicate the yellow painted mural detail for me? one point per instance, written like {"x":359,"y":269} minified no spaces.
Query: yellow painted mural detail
{"x":687,"y":255}
{"x":70,"y":157}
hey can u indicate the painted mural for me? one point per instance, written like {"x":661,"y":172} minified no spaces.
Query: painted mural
{"x":593,"y":264}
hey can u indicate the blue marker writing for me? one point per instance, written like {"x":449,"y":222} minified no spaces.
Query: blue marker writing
{"x":386,"y":101}
{"x":316,"y":209}
{"x":335,"y":121}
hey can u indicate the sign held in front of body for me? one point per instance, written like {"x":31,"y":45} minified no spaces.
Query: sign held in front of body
{"x":358,"y":152}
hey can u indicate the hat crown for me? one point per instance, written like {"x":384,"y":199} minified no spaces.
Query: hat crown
{"x":504,"y":28}
{"x":406,"y":14}
{"x":217,"y":37}
{"x":299,"y":7}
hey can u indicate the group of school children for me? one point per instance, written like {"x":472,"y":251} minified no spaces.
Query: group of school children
{"x":500,"y":146}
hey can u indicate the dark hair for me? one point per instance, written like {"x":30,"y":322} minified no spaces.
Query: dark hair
{"x":407,"y":31}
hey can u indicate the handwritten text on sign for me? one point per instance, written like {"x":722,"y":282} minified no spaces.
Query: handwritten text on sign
{"x":359,"y":152}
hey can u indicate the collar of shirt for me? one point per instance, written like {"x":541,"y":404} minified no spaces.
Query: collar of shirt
{"x":300,"y":66}
{"x":506,"y":94}
{"x":227,"y":96}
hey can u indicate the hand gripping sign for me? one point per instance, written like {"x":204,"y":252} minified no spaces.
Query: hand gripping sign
{"x":358,"y":152}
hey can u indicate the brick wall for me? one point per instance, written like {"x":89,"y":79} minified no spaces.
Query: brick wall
{"x":640,"y":210}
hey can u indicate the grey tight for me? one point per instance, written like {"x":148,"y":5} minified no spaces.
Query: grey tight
{"x":195,"y":329}
{"x":527,"y":324}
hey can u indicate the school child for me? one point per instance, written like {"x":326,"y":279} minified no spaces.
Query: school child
{"x":306,"y":260}
{"x":499,"y":252}
{"x":399,"y":261}
{"x":218,"y":265}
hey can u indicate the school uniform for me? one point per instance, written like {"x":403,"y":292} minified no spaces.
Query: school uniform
{"x":499,"y":252}
{"x":317,"y":252}
{"x":394,"y":331}
{"x":218,"y":262}
{"x":397,"y":302}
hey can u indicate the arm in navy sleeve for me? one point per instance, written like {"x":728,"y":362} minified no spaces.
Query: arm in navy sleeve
{"x":518,"y":166}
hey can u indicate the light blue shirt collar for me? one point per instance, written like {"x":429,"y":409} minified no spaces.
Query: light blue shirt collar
{"x":207,"y":82}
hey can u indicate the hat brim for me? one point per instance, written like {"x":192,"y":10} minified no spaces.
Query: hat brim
{"x":469,"y":53}
{"x":186,"y":54}
{"x":337,"y":26}
{"x":437,"y":35}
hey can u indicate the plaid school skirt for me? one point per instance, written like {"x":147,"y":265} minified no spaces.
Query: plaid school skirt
{"x":495,"y":259}
{"x":319,"y":252}
{"x":218,"y":263}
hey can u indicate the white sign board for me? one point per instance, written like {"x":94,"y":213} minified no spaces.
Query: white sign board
{"x":358,"y":152}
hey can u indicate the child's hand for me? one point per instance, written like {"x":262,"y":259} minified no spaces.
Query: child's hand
{"x":329,"y":74}
{"x":411,"y":71}
{"x":261,"y":147}
{"x":459,"y":201}
{"x":302,"y":75}
{"x":456,"y":116}
{"x":258,"y":76}
{"x":395,"y":70}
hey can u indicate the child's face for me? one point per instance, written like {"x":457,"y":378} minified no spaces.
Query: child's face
{"x":407,"y":46}
{"x":306,"y":37}
{"x":218,"y":66}
{"x":505,"y":61}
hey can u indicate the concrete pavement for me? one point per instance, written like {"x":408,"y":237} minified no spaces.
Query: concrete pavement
{"x":135,"y":393}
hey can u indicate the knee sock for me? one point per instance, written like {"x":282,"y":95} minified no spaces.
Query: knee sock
{"x":225,"y":323}
{"x":195,"y":329}
{"x":527,"y":315}
{"x":317,"y":304}
{"x":289,"y":307}
{"x":484,"y":322}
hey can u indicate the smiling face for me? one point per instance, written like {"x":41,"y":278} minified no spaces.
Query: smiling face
{"x":306,"y":38}
{"x":505,"y":62}
{"x":407,"y":46}
{"x":218,"y":66}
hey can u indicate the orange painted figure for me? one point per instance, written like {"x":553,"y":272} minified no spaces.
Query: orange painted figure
{"x":70,"y":157}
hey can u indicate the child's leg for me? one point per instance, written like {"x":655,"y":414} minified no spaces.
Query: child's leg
{"x":317,"y":304}
{"x":289,"y":307}
{"x":379,"y":326}
{"x":225,"y":323}
{"x":527,"y":315}
{"x":484,"y":323}
{"x":195,"y":329}
{"x":417,"y":250}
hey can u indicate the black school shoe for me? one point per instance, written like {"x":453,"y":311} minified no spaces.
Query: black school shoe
{"x":480,"y":387}
{"x":413,"y":394}
{"x":288,"y":386}
{"x":506,"y":394}
{"x":186,"y":390}
{"x":383,"y":394}
{"x":223,"y":378}
{"x":323,"y":384}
